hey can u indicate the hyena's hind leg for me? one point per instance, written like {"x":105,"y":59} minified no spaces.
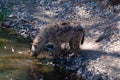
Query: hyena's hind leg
{"x":74,"y":46}
{"x":75,"y":43}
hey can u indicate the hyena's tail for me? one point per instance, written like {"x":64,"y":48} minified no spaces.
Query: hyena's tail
{"x":82,"y":39}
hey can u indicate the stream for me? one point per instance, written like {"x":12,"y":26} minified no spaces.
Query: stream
{"x":16,"y":63}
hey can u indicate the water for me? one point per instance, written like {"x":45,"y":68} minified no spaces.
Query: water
{"x":16,"y":63}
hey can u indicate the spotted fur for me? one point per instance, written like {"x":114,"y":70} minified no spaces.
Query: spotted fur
{"x":58,"y":33}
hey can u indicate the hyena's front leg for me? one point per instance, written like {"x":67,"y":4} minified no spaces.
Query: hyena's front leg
{"x":57,"y":54}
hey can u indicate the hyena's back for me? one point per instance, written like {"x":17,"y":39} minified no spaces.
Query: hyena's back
{"x":64,"y":32}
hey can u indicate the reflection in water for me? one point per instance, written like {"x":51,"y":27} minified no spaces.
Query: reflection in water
{"x":36,"y":72}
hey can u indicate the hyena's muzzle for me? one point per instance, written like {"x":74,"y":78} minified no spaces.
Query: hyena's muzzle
{"x":35,"y":50}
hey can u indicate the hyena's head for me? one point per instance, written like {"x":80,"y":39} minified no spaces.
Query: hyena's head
{"x":37,"y":46}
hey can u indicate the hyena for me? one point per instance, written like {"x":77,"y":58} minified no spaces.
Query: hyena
{"x":58,"y":33}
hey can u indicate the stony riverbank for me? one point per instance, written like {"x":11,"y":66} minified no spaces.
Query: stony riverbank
{"x":101,"y":58}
